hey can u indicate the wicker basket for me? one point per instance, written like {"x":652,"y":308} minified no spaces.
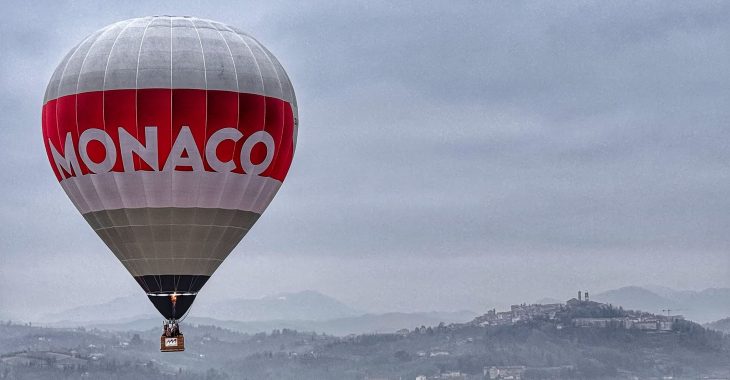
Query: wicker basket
{"x":172,"y":344}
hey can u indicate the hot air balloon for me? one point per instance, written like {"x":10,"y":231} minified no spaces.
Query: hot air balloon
{"x":171,"y":136}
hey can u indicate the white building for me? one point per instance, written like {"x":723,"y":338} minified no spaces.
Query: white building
{"x":513,"y":372}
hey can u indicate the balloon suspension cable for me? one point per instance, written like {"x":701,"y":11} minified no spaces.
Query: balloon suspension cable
{"x":185,"y":315}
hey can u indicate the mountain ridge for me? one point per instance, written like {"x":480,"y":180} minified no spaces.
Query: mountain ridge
{"x":309,"y":306}
{"x":362,"y":324}
{"x":706,"y":305}
{"x":303,"y":305}
{"x":305,"y":311}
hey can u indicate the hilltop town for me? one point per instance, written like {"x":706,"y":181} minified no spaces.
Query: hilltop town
{"x":580,"y":312}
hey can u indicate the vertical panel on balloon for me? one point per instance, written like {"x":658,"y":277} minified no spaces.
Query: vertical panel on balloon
{"x":90,"y":115}
{"x":267,"y":72}
{"x":66,"y":122}
{"x":252,"y":111}
{"x":154,"y":58}
{"x":230,"y":238}
{"x":286,"y":147}
{"x":188,"y":110}
{"x":213,"y":240}
{"x":50,"y":134}
{"x":66,"y":125}
{"x":259,"y":152}
{"x":219,"y":66}
{"x":113,"y":240}
{"x":90,"y":110}
{"x":222,"y":113}
{"x":275,"y":127}
{"x":119,"y":111}
{"x":283,"y":159}
{"x":154,"y":109}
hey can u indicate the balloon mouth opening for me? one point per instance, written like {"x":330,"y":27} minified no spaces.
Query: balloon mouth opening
{"x":171,"y":294}
{"x":172,"y":305}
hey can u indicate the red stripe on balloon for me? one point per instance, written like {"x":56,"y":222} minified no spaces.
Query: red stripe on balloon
{"x":153,"y":109}
{"x":204,"y":112}
{"x":118,"y":112}
{"x":91,"y":115}
{"x":188,"y":109}
{"x":66,"y":123}
{"x":49,"y":122}
{"x":252,"y":117}
{"x":222,"y":113}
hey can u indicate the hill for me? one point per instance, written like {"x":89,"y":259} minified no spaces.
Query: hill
{"x":536,"y":348}
{"x":722,"y":325}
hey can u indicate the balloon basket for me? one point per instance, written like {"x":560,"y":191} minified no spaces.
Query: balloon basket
{"x":172,"y":343}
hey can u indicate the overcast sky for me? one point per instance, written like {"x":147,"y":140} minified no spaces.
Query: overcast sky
{"x":451,"y":155}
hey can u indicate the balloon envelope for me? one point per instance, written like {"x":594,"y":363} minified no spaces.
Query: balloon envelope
{"x":171,"y":135}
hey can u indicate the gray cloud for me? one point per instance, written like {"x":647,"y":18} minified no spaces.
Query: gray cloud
{"x":477,"y":130}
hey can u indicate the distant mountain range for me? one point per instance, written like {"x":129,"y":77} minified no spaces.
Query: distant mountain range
{"x":303,"y":311}
{"x":115,"y":309}
{"x":307,"y":305}
{"x":311,"y":310}
{"x":722,"y":325}
{"x":548,"y":300}
{"x":363,"y":324}
{"x":701,"y":306}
